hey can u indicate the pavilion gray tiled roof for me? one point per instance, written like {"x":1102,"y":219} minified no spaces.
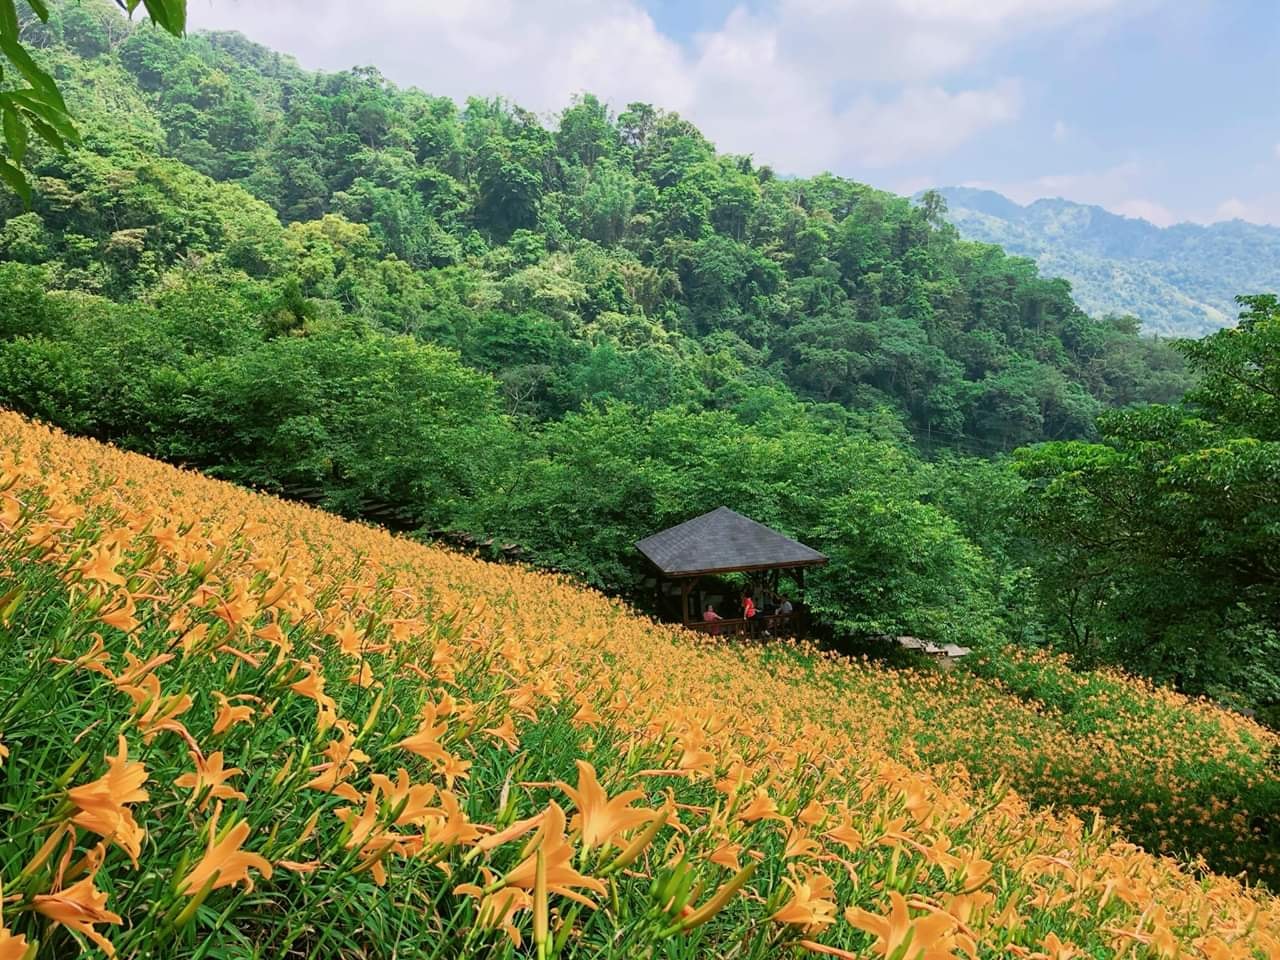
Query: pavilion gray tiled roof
{"x":723,"y":541}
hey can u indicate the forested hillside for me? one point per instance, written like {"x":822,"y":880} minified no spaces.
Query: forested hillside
{"x":601,"y":257}
{"x":554,"y":338}
{"x":1179,"y":281}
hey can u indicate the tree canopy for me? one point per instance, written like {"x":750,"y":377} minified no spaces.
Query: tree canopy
{"x":1160,"y":544}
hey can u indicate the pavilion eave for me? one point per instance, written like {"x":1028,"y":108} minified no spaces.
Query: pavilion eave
{"x":750,"y":568}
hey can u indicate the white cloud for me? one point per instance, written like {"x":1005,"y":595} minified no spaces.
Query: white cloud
{"x":925,"y":122}
{"x":1060,"y":131}
{"x":801,"y":84}
{"x":749,"y":97}
{"x":1258,"y":209}
{"x":911,"y":41}
{"x":1149,"y":210}
{"x":1112,"y":184}
{"x":910,"y":186}
{"x":1232,"y":209}
{"x":1115,"y":188}
{"x":536,"y":54}
{"x":1120,"y":189}
{"x":1277,"y":151}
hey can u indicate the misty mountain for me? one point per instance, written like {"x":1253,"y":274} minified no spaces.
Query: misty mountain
{"x":1179,"y":280}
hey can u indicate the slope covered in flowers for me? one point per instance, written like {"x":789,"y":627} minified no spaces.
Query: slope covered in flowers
{"x":1178,"y":775}
{"x":232,"y":726}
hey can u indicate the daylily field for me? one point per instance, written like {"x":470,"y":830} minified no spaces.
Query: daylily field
{"x":236,"y":727}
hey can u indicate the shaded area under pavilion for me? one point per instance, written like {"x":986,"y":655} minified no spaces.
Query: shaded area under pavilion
{"x":725,"y":542}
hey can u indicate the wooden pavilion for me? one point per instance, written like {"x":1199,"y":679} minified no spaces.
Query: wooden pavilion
{"x":722,"y":542}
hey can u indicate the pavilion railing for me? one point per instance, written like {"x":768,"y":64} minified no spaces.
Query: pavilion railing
{"x":777,"y":625}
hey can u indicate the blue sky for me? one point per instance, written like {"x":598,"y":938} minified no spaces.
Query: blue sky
{"x":1166,"y":109}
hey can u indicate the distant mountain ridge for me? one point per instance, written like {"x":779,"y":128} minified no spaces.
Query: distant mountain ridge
{"x":1178,"y":280}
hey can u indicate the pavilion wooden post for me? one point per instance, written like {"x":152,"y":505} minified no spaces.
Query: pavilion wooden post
{"x":685,"y":588}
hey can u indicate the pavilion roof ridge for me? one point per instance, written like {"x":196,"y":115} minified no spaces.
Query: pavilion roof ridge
{"x":724,"y":541}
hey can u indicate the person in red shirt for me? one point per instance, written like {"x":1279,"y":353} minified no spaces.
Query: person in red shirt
{"x":749,"y":612}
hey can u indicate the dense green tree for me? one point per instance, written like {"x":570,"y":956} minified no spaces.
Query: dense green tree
{"x":1158,"y":546}
{"x":368,"y":426}
{"x":899,"y":566}
{"x":34,"y":106}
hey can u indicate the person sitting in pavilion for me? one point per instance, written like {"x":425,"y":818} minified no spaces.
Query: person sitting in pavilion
{"x":710,"y":616}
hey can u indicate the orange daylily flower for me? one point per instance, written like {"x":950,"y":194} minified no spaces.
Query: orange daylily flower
{"x":296,"y":866}
{"x":167,"y":537}
{"x":426,"y":742}
{"x":800,"y":844}
{"x":228,"y":716}
{"x":10,"y":512}
{"x":557,"y":854}
{"x":453,"y":768}
{"x":695,"y":758}
{"x":96,"y":659}
{"x":102,"y":804}
{"x":13,"y":947}
{"x":158,"y":712}
{"x":1214,"y":948}
{"x":726,"y":855}
{"x":343,"y":756}
{"x":272,"y":634}
{"x":927,"y":935}
{"x":362,"y":676}
{"x":224,"y":862}
{"x":810,"y":907}
{"x":350,"y":638}
{"x":252,"y":660}
{"x":237,"y":608}
{"x":1054,"y":948}
{"x":210,"y":776}
{"x":821,"y":948}
{"x":498,"y":909}
{"x":505,"y":732}
{"x":372,"y":840}
{"x":136,"y":669}
{"x":812,"y":814}
{"x":453,"y":827}
{"x":598,"y":819}
{"x":845,"y":834}
{"x":121,"y":614}
{"x":761,"y":807}
{"x":586,"y":714}
{"x":100,"y":566}
{"x":517,"y":829}
{"x":78,"y":907}
{"x":410,"y":799}
{"x":516,"y":640}
{"x":312,"y":687}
